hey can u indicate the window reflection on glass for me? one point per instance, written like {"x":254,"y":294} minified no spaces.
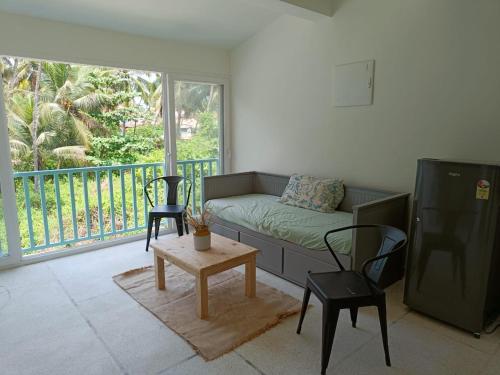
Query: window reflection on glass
{"x":3,"y":234}
{"x":197,"y":119}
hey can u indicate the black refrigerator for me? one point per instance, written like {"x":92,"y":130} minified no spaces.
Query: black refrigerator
{"x":453,"y":263}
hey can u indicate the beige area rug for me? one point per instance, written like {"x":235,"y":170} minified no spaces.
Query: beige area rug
{"x":233,"y":318}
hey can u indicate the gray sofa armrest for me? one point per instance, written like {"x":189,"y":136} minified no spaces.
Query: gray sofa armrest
{"x":392,"y":210}
{"x":228,"y":185}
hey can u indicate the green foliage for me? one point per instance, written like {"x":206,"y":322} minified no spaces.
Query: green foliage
{"x":119,"y":150}
{"x":114,"y":119}
{"x":92,"y":116}
{"x":76,"y":104}
{"x":205,"y":142}
{"x":121,"y":217}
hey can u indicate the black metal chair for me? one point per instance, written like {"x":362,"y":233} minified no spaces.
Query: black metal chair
{"x":351,"y":289}
{"x":169,"y":210}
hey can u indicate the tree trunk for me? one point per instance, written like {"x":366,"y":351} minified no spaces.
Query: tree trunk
{"x":158,"y":114}
{"x":14,"y":80}
{"x":35,"y":124}
{"x":178,"y":127}
{"x":210,"y":98}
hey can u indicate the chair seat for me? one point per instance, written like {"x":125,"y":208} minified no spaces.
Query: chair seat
{"x":167,"y":209}
{"x":351,"y":289}
{"x":341,"y":285}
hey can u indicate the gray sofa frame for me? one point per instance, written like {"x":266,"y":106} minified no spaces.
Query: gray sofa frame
{"x":291,"y":261}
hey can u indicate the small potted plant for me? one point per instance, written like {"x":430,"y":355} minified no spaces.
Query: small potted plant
{"x":201,"y":232}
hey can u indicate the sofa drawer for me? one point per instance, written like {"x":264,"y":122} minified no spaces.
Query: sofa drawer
{"x":225,"y":231}
{"x":295,"y":266}
{"x":270,"y":256}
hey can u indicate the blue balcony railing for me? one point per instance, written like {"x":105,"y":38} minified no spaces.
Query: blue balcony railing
{"x":64,"y":207}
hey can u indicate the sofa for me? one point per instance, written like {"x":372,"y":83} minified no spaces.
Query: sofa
{"x":236,"y":201}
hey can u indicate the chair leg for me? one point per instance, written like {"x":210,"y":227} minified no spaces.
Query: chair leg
{"x":354,"y":316}
{"x":178,"y":222}
{"x":157,"y":227}
{"x":305,"y":302}
{"x":330,"y":319}
{"x":383,"y":326}
{"x":150,"y":229}
{"x":186,"y":226}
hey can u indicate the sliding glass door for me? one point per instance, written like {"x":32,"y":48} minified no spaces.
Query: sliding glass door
{"x":4,"y":249}
{"x":197,"y":124}
{"x":4,"y":241}
{"x":73,"y":164}
{"x":82,"y":143}
{"x":10,"y":252}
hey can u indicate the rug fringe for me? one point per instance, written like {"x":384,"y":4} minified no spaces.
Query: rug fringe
{"x":133,"y":272}
{"x":268,"y":326}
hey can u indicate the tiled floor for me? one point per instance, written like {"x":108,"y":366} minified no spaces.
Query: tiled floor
{"x":66,"y":316}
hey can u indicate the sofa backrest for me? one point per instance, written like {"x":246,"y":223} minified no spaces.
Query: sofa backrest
{"x":227,"y":185}
{"x":355,"y":196}
{"x":268,"y":183}
{"x":274,"y":184}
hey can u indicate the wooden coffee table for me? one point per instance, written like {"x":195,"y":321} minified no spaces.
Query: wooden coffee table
{"x":223,"y":255}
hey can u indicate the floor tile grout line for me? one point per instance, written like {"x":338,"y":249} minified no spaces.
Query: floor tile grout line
{"x":165,"y":370}
{"x":89,"y":299}
{"x":394,"y":322}
{"x":456,"y":340}
{"x":247,"y":361}
{"x":91,"y":326}
{"x":450,"y":337}
{"x":373,"y":337}
{"x":99,"y":295}
{"x":487,"y":365}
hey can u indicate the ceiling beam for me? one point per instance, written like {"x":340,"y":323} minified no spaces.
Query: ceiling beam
{"x":325,"y":7}
{"x":309,"y":9}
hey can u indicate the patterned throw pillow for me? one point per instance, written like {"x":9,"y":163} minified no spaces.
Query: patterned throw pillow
{"x":318,"y":194}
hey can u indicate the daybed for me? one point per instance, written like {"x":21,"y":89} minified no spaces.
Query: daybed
{"x":290,"y":239}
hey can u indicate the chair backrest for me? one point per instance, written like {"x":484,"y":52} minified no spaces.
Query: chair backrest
{"x":391,"y":240}
{"x":172,"y":189}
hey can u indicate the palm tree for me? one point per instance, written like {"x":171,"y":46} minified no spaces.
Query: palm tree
{"x":69,"y":87}
{"x":193,"y":99}
{"x":36,"y":117}
{"x":150,"y":91}
{"x":49,"y":119}
{"x":50,"y":137}
{"x":15,"y":71}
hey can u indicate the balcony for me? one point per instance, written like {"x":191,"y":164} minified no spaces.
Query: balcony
{"x":67,"y":207}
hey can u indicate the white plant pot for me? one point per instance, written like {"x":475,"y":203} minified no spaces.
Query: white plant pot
{"x":202,"y":243}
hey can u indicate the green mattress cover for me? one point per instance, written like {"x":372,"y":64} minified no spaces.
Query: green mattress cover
{"x":264,"y":214}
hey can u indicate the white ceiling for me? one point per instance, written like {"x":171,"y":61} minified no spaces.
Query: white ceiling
{"x":223,"y":23}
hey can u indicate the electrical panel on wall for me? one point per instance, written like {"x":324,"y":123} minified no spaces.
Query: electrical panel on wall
{"x":353,"y":84}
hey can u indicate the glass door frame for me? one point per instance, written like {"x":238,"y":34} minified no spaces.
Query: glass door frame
{"x":14,"y":255}
{"x":224,"y":135}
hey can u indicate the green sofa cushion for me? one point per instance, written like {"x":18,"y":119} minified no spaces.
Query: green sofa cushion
{"x":265,"y":214}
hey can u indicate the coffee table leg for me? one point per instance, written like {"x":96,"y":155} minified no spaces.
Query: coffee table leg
{"x":250,"y":282}
{"x":202,"y":296}
{"x":159,"y":272}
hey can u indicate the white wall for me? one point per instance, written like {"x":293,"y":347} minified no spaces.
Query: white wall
{"x":31,"y":37}
{"x":437,"y":91}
